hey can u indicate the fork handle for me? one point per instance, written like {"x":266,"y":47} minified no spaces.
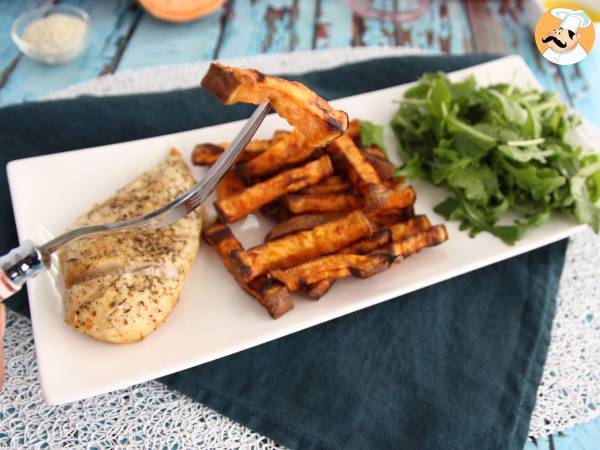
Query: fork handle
{"x":19,"y":265}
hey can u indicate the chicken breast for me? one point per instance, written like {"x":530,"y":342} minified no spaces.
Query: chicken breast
{"x":121,"y":286}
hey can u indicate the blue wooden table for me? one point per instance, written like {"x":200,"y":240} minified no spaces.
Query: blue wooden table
{"x":122,"y":37}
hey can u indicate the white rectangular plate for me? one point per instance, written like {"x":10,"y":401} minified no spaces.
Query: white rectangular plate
{"x":214,"y":317}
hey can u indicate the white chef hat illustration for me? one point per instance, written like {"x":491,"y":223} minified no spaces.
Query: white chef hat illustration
{"x":571,"y":19}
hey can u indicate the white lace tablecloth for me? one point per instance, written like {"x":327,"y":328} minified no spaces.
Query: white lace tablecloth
{"x":152,"y":416}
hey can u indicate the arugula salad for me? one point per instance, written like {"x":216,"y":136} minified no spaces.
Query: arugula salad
{"x":498,"y":149}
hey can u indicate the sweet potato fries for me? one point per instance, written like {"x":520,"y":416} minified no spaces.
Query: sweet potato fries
{"x":339,"y":210}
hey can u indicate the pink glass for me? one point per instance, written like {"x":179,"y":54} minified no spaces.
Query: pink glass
{"x":408,"y":13}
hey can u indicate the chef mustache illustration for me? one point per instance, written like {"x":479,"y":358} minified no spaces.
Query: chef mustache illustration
{"x":557,"y":41}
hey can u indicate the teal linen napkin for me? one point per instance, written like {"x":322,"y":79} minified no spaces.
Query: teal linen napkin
{"x":452,"y":366}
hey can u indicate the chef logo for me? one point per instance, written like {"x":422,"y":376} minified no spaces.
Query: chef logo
{"x":564,"y":36}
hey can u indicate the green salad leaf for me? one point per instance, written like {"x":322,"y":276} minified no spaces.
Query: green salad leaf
{"x":371,"y":134}
{"x":501,"y":152}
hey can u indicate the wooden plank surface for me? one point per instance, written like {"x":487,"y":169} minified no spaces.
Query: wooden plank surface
{"x":444,"y":28}
{"x":304,"y":14}
{"x":372,"y":32}
{"x":259,"y":26}
{"x":487,"y":30}
{"x":583,"y":86}
{"x":156,"y":42}
{"x":333,"y":25}
{"x":455,"y":34}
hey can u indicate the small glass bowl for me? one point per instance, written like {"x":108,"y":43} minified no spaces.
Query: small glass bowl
{"x":23,"y":21}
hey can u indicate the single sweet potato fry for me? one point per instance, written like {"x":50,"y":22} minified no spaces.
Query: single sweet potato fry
{"x":330,"y":185}
{"x":373,"y":151}
{"x":345,"y":146}
{"x":317,"y":290}
{"x":359,"y":170}
{"x":430,"y":237}
{"x":206,"y":154}
{"x":409,"y":227}
{"x":290,"y":150}
{"x":331,"y":267}
{"x":230,"y":184}
{"x":390,"y":217}
{"x":293,"y":101}
{"x":309,"y":203}
{"x":299,"y":223}
{"x":394,"y":183}
{"x":271,"y":294}
{"x":396,"y":200}
{"x":249,"y":200}
{"x":380,"y":163}
{"x":299,"y":247}
{"x":367,"y":245}
{"x":395,"y":203}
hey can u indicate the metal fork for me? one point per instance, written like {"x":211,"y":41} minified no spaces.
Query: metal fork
{"x":27,"y":260}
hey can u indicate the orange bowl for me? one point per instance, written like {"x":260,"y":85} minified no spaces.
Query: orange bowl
{"x":180,"y":10}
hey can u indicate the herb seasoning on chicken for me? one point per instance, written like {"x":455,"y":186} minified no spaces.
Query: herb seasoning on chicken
{"x":121,"y":286}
